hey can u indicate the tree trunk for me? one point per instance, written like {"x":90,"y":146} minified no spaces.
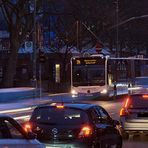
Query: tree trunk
{"x":12,"y":60}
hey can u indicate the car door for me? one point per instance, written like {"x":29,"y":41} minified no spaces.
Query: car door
{"x":11,"y":137}
{"x":110,"y":133}
{"x":99,"y":127}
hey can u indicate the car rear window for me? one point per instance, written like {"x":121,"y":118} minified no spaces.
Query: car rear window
{"x":138,"y":101}
{"x":53,"y":115}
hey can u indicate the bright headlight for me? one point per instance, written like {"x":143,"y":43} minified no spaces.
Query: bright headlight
{"x":74,"y":92}
{"x":104,"y":91}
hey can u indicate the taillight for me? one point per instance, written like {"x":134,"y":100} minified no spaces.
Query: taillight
{"x":127,"y":103}
{"x":123,"y":112}
{"x":28,"y":127}
{"x":86,"y":131}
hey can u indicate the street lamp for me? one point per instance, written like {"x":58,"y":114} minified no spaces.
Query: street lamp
{"x":117,"y":28}
{"x":34,"y":48}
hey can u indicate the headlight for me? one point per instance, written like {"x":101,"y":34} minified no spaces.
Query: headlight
{"x":74,"y":92}
{"x":104,"y":91}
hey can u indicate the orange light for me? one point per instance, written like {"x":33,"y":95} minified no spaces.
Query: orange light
{"x":145,"y":96}
{"x":60,"y":106}
{"x":123,"y":112}
{"x":28,"y":127}
{"x":86,"y":131}
{"x":126,"y":103}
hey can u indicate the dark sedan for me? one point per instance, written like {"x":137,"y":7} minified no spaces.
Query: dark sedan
{"x":74,"y":125}
{"x":12,"y":135}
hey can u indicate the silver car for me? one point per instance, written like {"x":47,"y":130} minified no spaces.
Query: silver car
{"x":12,"y":135}
{"x":134,"y":115}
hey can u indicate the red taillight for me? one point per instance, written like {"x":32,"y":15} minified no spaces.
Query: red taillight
{"x":123,"y":112}
{"x":127,"y":102}
{"x":86,"y":131}
{"x":28,"y":127}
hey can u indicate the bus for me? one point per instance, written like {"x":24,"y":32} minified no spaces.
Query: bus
{"x":97,"y":76}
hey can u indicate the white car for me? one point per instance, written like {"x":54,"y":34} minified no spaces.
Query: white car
{"x":12,"y":135}
{"x":139,"y":85}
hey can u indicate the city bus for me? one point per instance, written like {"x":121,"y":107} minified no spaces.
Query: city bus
{"x":97,"y":76}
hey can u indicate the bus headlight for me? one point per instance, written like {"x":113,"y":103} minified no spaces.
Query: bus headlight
{"x":74,"y":92}
{"x":104,"y":91}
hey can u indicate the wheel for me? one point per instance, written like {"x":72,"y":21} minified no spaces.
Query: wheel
{"x":104,"y":144}
{"x":125,"y":135}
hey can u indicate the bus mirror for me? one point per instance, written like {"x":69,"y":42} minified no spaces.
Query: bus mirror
{"x":129,"y":85}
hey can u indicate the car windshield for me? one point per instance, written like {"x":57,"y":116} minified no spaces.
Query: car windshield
{"x":139,"y":101}
{"x":55,"y":116}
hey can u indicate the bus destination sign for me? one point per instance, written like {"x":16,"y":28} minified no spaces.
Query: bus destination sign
{"x":88,"y":61}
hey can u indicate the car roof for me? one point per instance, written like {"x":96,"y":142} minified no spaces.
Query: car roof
{"x":4,"y":116}
{"x":81,"y":106}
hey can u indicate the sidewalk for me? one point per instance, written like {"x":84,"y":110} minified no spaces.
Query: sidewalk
{"x":17,"y":93}
{"x":17,"y":98}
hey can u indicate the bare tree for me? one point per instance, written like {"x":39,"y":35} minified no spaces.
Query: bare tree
{"x":19,"y":21}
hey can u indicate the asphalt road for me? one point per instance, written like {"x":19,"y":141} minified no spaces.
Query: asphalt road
{"x":112,"y":106}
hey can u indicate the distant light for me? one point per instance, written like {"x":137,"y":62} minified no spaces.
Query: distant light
{"x":145,"y":96}
{"x":134,"y":88}
{"x":104,"y":91}
{"x":60,"y":106}
{"x":22,"y":117}
{"x":15,"y":110}
{"x":74,"y":92}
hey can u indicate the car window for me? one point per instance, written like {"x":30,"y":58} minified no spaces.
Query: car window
{"x":94,"y":114}
{"x":138,"y":101}
{"x":141,"y":81}
{"x":14,"y":132}
{"x":4,"y":131}
{"x":103,"y":113}
{"x":7,"y":130}
{"x":52,"y":115}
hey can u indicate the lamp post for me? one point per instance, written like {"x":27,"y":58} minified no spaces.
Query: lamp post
{"x":117,"y":28}
{"x":34,"y":48}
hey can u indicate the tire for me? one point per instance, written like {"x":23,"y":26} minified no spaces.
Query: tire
{"x":125,"y":135}
{"x":103,"y":144}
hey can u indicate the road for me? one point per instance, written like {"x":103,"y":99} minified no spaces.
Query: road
{"x":112,"y":106}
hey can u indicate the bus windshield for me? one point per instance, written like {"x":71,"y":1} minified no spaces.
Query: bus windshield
{"x":88,"y":75}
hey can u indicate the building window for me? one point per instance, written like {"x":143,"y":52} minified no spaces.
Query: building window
{"x":57,"y":73}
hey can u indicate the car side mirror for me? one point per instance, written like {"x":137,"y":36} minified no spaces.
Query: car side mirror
{"x":116,"y":123}
{"x":31,"y":135}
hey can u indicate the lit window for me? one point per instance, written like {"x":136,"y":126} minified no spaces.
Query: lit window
{"x":57,"y":73}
